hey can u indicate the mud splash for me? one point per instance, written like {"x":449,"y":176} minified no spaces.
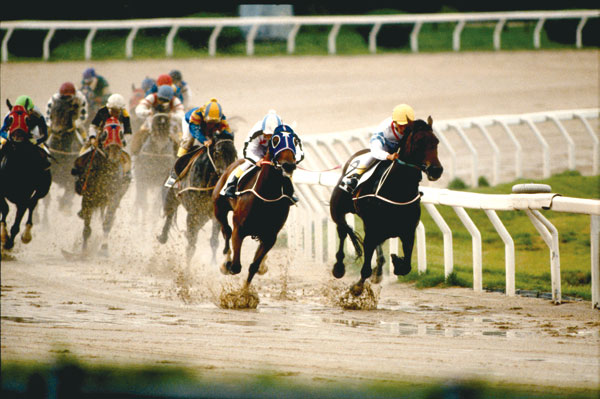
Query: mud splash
{"x":238,"y":298}
{"x":339,"y":295}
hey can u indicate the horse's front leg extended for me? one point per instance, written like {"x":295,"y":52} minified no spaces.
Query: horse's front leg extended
{"x":339,"y":269}
{"x":365,"y":271}
{"x":221,"y":210}
{"x":26,"y":236}
{"x":235,"y":266}
{"x":402,"y":265}
{"x":265,"y":246}
{"x":16,"y":227}
{"x":86,"y":215}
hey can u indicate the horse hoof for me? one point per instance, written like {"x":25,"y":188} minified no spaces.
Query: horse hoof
{"x":235,"y":269}
{"x":262,"y":269}
{"x":26,"y":237}
{"x":339,"y":270}
{"x":357,"y":289}
{"x":9,"y":244}
{"x":162,"y":238}
{"x":223,"y":268}
{"x":377,"y":279}
{"x":401,"y":267}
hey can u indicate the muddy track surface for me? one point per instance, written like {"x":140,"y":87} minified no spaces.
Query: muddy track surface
{"x":143,"y":304}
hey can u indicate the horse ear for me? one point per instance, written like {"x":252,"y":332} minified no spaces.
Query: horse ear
{"x":409,"y":121}
{"x":429,"y":121}
{"x":8,"y":104}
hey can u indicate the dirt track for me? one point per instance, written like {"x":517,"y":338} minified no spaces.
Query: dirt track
{"x":142,"y":305}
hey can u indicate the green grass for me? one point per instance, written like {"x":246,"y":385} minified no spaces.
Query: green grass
{"x":532,"y":257}
{"x":311,"y":40}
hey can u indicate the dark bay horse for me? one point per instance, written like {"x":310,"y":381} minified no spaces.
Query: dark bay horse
{"x":25,"y":178}
{"x":261,"y":208}
{"x":198,"y":173}
{"x":102,"y":181}
{"x":155,"y":159}
{"x":64,"y":145}
{"x":388,"y":203}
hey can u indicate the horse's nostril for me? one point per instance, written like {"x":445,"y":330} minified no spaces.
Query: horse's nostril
{"x":289,"y":167}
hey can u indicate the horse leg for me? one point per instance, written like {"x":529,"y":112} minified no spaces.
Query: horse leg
{"x":380,"y":260}
{"x":170,"y":204}
{"x":339,"y":269}
{"x":402,"y":265}
{"x":221,"y":210}
{"x":4,"y":210}
{"x":14,"y":230}
{"x":107,"y":224}
{"x":193,"y":226}
{"x":265,"y":246}
{"x":214,"y":240}
{"x":366,"y":271}
{"x":86,"y":215}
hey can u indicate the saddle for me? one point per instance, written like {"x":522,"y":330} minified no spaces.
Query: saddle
{"x":184,"y":163}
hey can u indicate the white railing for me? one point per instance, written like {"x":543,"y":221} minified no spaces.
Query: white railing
{"x":295,"y":23}
{"x":312,"y":233}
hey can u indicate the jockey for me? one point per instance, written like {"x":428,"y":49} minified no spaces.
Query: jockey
{"x":164,"y":101}
{"x":34,"y":120}
{"x":182,"y":90}
{"x":255,"y":149}
{"x":384,"y":144}
{"x":162,"y":80}
{"x":96,"y":83}
{"x":147,"y":85}
{"x":115,"y":108}
{"x":72,"y":103}
{"x":201,"y":124}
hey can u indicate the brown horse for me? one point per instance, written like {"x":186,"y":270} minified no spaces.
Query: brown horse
{"x":388,"y":202}
{"x":102,"y":181}
{"x":262,"y":207}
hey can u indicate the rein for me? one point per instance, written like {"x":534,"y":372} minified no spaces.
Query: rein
{"x":253,"y":189}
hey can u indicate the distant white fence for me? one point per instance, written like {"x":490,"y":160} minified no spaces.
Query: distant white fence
{"x":312,"y":233}
{"x":254,"y":23}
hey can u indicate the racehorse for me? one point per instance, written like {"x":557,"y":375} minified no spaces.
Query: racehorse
{"x":25,"y":178}
{"x":102,"y":181}
{"x":155,"y":159}
{"x":261,"y":208}
{"x":64,"y":145}
{"x":197,"y":172}
{"x":388,"y":202}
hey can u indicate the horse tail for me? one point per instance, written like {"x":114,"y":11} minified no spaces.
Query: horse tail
{"x":357,"y":240}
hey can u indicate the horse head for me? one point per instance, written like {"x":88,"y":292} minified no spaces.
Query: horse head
{"x":137,"y":94}
{"x":282,"y":149}
{"x":223,"y":152}
{"x":420,"y":148}
{"x":112,"y":139}
{"x":160,"y":125}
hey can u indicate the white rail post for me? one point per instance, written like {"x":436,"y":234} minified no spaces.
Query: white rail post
{"x":88,"y":43}
{"x":518,"y":150}
{"x":291,"y":39}
{"x":578,"y":34}
{"x":169,"y":42}
{"x":331,"y":38}
{"x":537,"y":31}
{"x":447,"y":235}
{"x":414,"y":37}
{"x":250,"y":39}
{"x":212,"y":40}
{"x":47,"y":40}
{"x":496,"y":156}
{"x":129,"y":42}
{"x":595,"y":253}
{"x":509,"y":250}
{"x":498,"y":34}
{"x":550,"y":236}
{"x":545,"y":147}
{"x":570,"y":142}
{"x":373,"y":37}
{"x":456,"y":34}
{"x":474,"y":155}
{"x":421,"y":248}
{"x":5,"y":44}
{"x":476,"y":243}
{"x":595,"y":147}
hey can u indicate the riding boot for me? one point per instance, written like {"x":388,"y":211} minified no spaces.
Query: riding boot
{"x":231,"y":188}
{"x":349,"y":184}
